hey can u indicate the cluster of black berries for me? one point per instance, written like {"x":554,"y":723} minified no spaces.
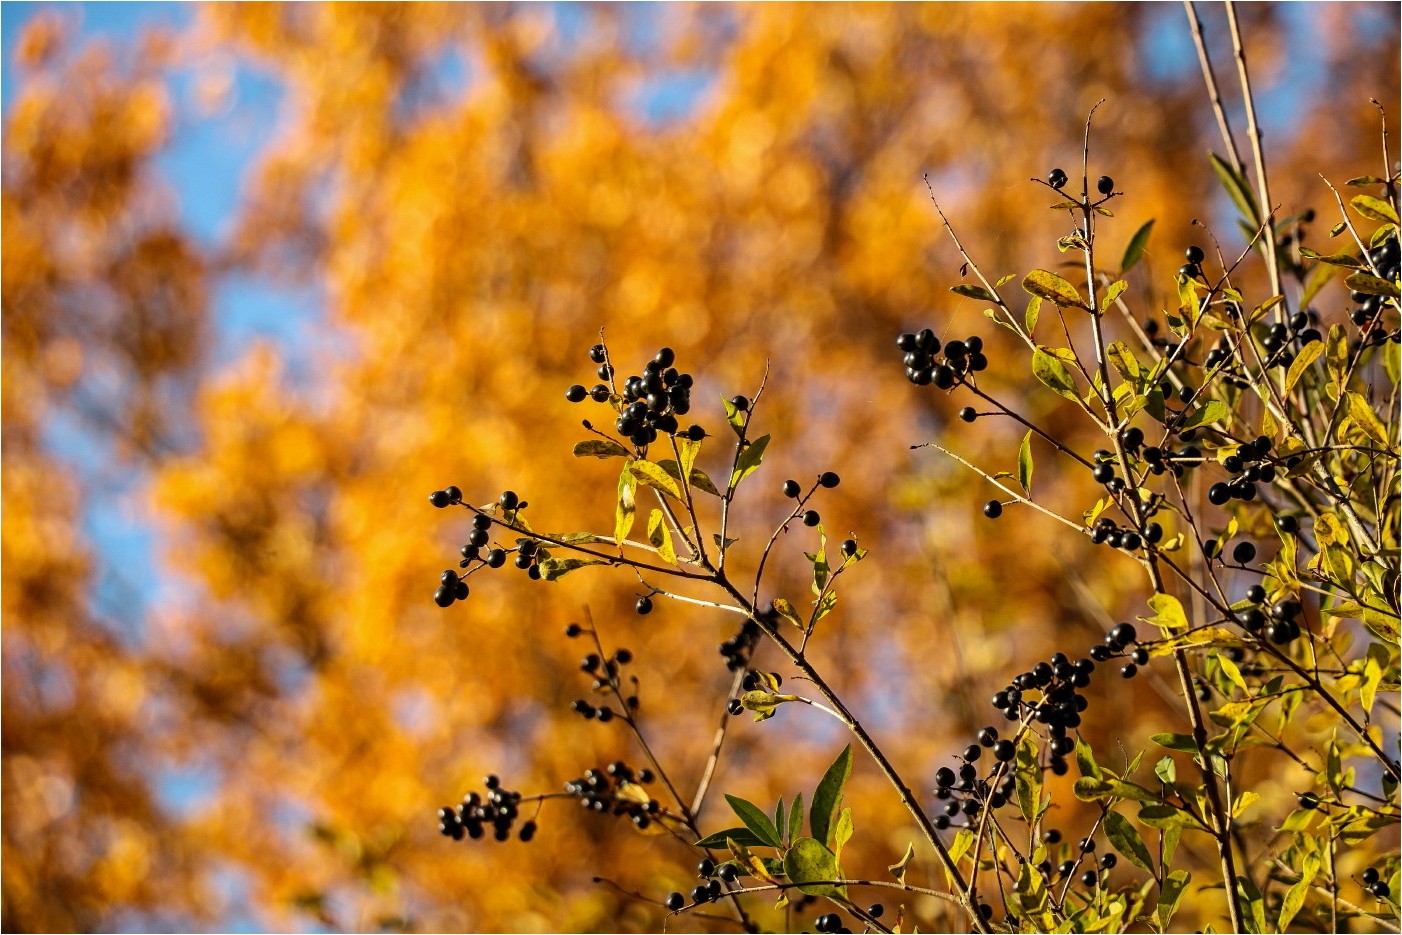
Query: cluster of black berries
{"x":1281,"y":342}
{"x":737,"y":649}
{"x":1085,"y":846}
{"x":923,"y":367}
{"x":1249,"y":465}
{"x":499,"y":809}
{"x":475,"y":552}
{"x":606,"y":675}
{"x":1120,"y":637}
{"x":964,"y":792}
{"x":603,"y":790}
{"x":1059,"y":682}
{"x":1193,"y":268}
{"x":794,"y":491}
{"x":1278,"y":623}
{"x":1368,"y":308}
{"x":648,"y":403}
{"x":1106,"y":531}
{"x":1372,"y":879}
{"x":716,"y":877}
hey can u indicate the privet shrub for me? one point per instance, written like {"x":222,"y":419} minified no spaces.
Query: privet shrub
{"x":1248,"y":472}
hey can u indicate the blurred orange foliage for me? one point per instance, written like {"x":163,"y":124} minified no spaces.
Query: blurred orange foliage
{"x":470,"y":240}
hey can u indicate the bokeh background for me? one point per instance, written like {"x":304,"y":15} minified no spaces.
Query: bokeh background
{"x":272,"y":273}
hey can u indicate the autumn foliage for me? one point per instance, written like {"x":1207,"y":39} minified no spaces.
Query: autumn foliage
{"x":470,"y":193}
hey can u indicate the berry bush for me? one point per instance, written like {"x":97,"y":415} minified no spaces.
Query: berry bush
{"x":1247,"y":476}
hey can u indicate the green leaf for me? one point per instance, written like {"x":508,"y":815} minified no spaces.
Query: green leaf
{"x":812,"y":867}
{"x":748,"y":461}
{"x":828,"y":796}
{"x":1169,"y":895}
{"x":754,"y":819}
{"x":699,"y":481}
{"x":623,"y":515}
{"x":1029,"y":779}
{"x":688,"y":449}
{"x":1230,"y":669}
{"x":1127,"y":841}
{"x":1053,"y":374}
{"x":1113,"y":292}
{"x":973,"y":292}
{"x":841,"y":832}
{"x":553,"y":569}
{"x":1123,"y":360}
{"x":1237,"y":189}
{"x":898,"y":868}
{"x":742,"y":836}
{"x":661,"y":537}
{"x":734,"y":416}
{"x":784,"y":607}
{"x":599,"y":448}
{"x":1085,"y":760}
{"x":764,"y":703}
{"x":1183,"y":743}
{"x":1050,"y":286}
{"x":1024,"y":463}
{"x":1134,"y":250}
{"x":1162,"y":816}
{"x":1371,"y":285}
{"x":1309,"y":353}
{"x":780,"y":821}
{"x":1295,"y":896}
{"x":1364,"y":181}
{"x":1374,"y":209}
{"x":1214,"y":410}
{"x":796,"y":817}
{"x":652,"y":475}
{"x":1255,"y":905}
{"x":1336,"y":354}
{"x":1034,"y":311}
{"x":1365,"y":418}
{"x":1346,"y":260}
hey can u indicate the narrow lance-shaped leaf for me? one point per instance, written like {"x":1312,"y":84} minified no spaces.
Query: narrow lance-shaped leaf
{"x":754,"y":819}
{"x":655,"y":477}
{"x":1050,"y":286}
{"x":1374,"y":209}
{"x":796,"y":817}
{"x":1024,"y":463}
{"x":749,"y":460}
{"x":828,"y":795}
{"x":742,"y":836}
{"x":1308,"y":355}
{"x":599,"y":448}
{"x":1053,"y":374}
{"x":1369,"y":284}
{"x":1237,"y":189}
{"x":661,"y":537}
{"x":623,"y":516}
{"x":1127,"y":841}
{"x":973,"y":292}
{"x":1214,"y":410}
{"x":733,"y":416}
{"x":553,"y":569}
{"x":1134,"y":250}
